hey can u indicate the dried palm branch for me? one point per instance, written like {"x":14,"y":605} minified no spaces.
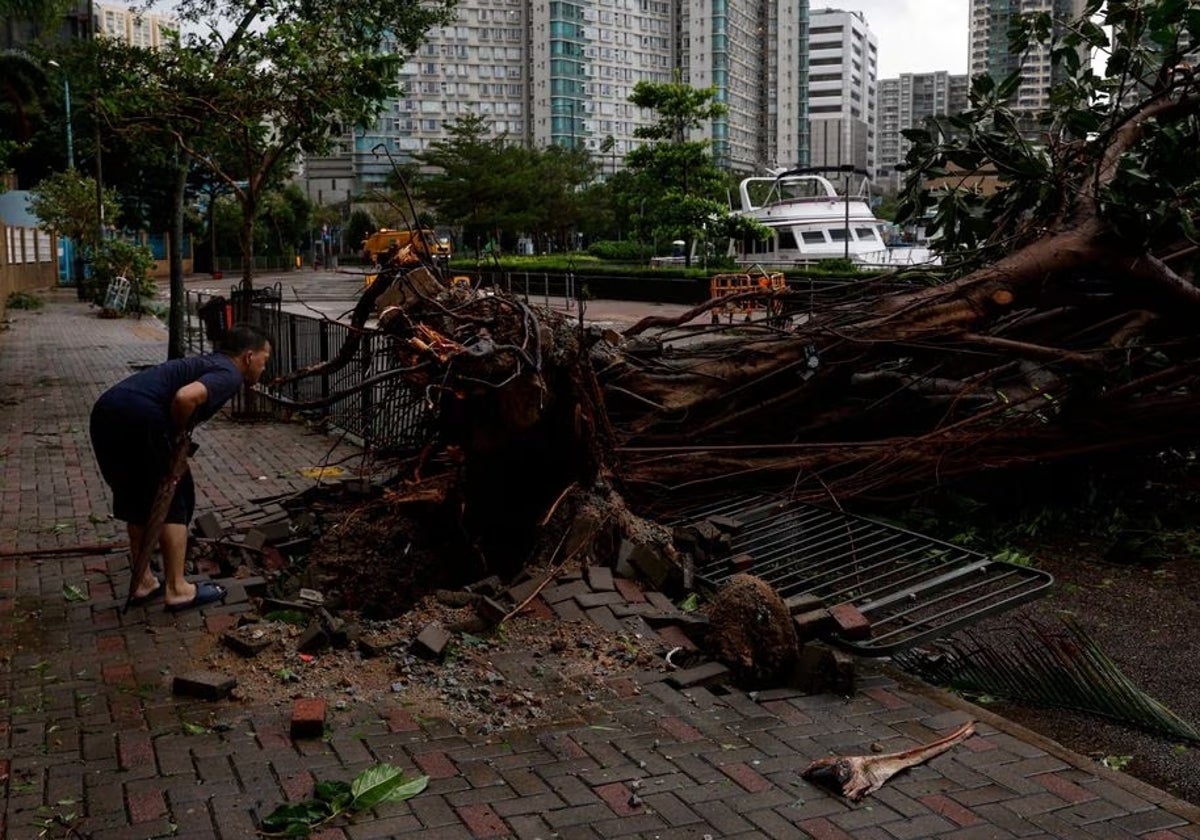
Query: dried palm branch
{"x":1036,"y":664}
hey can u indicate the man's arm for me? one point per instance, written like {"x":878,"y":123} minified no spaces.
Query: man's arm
{"x":187,"y":400}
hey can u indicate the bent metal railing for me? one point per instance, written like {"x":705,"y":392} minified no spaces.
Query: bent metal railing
{"x":910,"y":587}
{"x":386,"y":416}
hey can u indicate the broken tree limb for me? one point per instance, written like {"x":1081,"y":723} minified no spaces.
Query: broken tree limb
{"x":855,"y":776}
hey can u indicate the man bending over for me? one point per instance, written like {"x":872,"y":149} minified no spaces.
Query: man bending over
{"x":135,"y":426}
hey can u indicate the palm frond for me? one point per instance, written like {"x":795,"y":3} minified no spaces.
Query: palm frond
{"x":1036,"y":664}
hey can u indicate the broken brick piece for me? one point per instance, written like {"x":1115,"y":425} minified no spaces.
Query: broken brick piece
{"x":802,"y":603}
{"x":851,"y":624}
{"x":308,"y":718}
{"x":741,"y":562}
{"x":275,"y":532}
{"x":245,"y":645}
{"x":313,"y":639}
{"x":600,"y":578}
{"x":491,"y":611}
{"x":208,"y":526}
{"x":813,"y":624}
{"x":673,"y":636}
{"x":431,"y":642}
{"x":710,"y":673}
{"x":254,"y":539}
{"x":207,"y":685}
{"x":517,"y":594}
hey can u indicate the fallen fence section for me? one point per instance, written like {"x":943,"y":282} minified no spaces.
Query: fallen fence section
{"x":910,"y":588}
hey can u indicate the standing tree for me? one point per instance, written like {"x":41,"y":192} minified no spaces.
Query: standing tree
{"x":682,"y":187}
{"x":66,"y":202}
{"x":256,"y":84}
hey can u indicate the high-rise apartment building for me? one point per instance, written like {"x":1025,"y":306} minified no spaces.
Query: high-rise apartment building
{"x":561,"y":72}
{"x":906,"y":102}
{"x":752,"y":53}
{"x":990,"y":53}
{"x":842,"y":68}
{"x":118,"y":23}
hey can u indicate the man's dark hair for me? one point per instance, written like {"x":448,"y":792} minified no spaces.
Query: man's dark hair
{"x":242,"y":337}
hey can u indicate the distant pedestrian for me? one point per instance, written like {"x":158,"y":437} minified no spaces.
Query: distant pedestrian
{"x":135,"y":426}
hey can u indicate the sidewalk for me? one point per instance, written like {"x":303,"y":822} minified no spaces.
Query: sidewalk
{"x":91,"y":734}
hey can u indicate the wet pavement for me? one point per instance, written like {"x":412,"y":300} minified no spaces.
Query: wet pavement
{"x":94,"y":744}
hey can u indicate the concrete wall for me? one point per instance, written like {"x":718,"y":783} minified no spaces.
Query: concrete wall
{"x":28,"y":261}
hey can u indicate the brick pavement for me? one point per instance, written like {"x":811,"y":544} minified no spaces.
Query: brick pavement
{"x":91,"y":736}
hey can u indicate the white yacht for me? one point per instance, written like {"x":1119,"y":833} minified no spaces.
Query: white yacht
{"x":811,"y":222}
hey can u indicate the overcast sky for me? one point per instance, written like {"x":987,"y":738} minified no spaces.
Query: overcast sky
{"x":915,"y":36}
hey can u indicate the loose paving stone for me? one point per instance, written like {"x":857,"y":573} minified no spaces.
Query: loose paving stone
{"x":207,"y":685}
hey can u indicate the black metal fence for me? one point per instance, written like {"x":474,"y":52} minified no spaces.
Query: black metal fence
{"x":376,"y":410}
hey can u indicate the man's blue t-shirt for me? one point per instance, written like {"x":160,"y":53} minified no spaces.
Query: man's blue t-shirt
{"x":147,"y":395}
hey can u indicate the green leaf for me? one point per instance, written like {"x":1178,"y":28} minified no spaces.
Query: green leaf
{"x":337,"y":793}
{"x":303,"y":814}
{"x":195,"y":729}
{"x":384,"y":783}
{"x":73,"y":593}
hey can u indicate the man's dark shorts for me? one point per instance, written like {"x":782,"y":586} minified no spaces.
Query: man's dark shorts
{"x":134,"y":457}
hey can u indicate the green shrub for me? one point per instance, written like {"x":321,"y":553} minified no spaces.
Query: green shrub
{"x":118,"y":258}
{"x":24,"y":300}
{"x":620,"y":250}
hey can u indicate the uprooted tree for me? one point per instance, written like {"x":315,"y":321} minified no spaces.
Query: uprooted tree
{"x":1062,"y":325}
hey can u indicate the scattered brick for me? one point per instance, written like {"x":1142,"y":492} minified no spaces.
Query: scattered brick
{"x":851,"y":623}
{"x":710,"y":673}
{"x":313,"y":639}
{"x":600,"y":578}
{"x":741,"y":562}
{"x":672,"y":636}
{"x":813,"y":624}
{"x":245,"y":644}
{"x":521,"y":591}
{"x":254,"y":539}
{"x":208,"y":526}
{"x":431,"y":642}
{"x":537,"y":608}
{"x":308,"y":717}
{"x":207,"y":685}
{"x":802,"y":603}
{"x":490,"y":610}
{"x":275,"y":532}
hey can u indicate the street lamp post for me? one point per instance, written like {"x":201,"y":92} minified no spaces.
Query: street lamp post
{"x":67,"y":110}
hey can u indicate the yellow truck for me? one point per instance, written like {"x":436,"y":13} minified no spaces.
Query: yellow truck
{"x":424,"y":243}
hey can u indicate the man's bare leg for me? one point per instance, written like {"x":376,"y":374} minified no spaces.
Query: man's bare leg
{"x":149,"y":582}
{"x":173,"y":542}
